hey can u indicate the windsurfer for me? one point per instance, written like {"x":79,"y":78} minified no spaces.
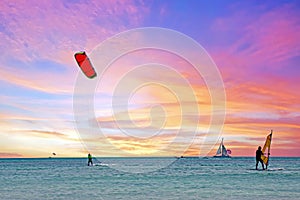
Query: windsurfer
{"x":259,"y":153}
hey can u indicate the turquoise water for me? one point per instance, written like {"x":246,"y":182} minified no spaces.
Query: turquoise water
{"x":186,"y":178}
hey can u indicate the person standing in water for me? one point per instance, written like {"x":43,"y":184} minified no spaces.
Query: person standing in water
{"x":90,"y":159}
{"x":259,"y":153}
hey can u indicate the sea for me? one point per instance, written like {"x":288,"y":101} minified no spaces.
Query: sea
{"x":172,"y":178}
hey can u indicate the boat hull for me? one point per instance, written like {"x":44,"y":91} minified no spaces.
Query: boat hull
{"x":222,"y":156}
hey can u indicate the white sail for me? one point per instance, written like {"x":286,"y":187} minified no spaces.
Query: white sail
{"x":224,"y":151}
{"x":219,"y":150}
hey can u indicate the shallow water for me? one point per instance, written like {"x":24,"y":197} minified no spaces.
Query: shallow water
{"x":186,"y":178}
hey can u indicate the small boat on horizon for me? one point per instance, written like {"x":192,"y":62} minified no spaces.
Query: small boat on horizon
{"x":222,"y":152}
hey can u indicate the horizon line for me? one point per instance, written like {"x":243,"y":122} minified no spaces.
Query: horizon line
{"x":177,"y":157}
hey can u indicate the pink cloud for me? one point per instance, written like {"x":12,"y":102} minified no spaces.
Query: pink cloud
{"x":55,"y":29}
{"x":261,"y":42}
{"x":276,"y":36}
{"x":10,"y":155}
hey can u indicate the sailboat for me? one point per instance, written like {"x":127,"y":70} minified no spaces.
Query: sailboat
{"x":222,"y":151}
{"x":267,"y":145}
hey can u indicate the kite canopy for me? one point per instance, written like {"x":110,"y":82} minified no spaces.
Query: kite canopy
{"x":85,"y":64}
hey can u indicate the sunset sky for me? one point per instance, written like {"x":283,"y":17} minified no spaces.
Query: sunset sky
{"x":254,"y":44}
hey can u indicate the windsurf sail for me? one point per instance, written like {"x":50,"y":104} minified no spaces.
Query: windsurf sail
{"x":85,"y":64}
{"x":266,"y":150}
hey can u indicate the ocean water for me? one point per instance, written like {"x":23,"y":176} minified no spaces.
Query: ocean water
{"x":185,"y":178}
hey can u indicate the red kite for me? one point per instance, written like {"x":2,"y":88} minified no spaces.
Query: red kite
{"x":85,"y":64}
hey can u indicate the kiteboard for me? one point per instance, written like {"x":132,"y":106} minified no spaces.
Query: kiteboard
{"x":103,"y":164}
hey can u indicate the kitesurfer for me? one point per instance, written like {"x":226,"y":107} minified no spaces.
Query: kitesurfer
{"x":90,"y":159}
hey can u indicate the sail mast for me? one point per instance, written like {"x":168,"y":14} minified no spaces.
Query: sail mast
{"x":269,"y":149}
{"x":222,"y":147}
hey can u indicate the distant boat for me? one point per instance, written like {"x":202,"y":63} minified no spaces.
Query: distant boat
{"x":222,"y":151}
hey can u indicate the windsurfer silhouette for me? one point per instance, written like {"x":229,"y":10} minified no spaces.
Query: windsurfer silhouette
{"x":259,"y":153}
